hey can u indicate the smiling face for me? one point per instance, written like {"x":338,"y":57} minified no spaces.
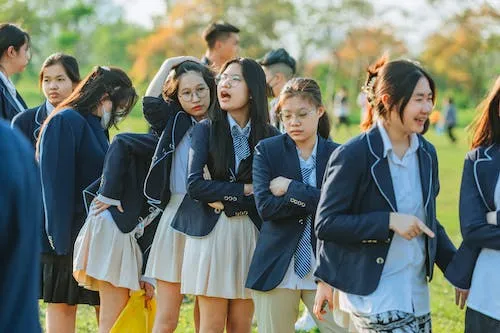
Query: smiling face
{"x":56,"y":84}
{"x":232,"y":90}
{"x":416,"y":112}
{"x":194,"y":94}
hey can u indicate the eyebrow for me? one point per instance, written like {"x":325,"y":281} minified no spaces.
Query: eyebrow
{"x":48,"y":76}
{"x":423,"y":94}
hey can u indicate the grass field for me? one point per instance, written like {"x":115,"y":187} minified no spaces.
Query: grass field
{"x":446,"y":316}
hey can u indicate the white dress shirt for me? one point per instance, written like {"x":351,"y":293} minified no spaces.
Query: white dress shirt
{"x":233,"y":123}
{"x":11,"y":89}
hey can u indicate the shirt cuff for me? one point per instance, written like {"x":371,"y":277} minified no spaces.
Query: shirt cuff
{"x":149,"y":280}
{"x":108,"y":201}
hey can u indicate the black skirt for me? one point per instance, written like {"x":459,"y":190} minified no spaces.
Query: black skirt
{"x":58,"y":284}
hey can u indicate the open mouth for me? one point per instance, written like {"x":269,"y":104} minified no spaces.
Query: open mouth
{"x":225,"y":95}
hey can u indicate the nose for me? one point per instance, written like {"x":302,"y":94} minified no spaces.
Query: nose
{"x":194,"y":96}
{"x":53,"y":85}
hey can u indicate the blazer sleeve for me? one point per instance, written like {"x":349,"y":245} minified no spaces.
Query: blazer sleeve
{"x":157,"y":112}
{"x":476,"y":231}
{"x":200,"y":188}
{"x":269,"y":206}
{"x":334,"y":219}
{"x":57,"y":167}
{"x":445,"y":248}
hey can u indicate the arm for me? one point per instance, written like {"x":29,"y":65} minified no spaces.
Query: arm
{"x":57,"y":168}
{"x":271,"y":207}
{"x":200,"y":188}
{"x":334,"y":219}
{"x":156,"y":86}
{"x":476,"y":231}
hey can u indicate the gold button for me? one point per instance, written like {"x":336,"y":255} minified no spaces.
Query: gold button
{"x":380,"y":260}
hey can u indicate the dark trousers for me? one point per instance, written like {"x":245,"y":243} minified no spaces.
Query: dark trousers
{"x":449,"y":129}
{"x":476,"y":322}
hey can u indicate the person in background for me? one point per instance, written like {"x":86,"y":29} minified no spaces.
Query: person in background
{"x":279,"y":67}
{"x":14,"y":56}
{"x":222,"y":44}
{"x":341,"y":108}
{"x":450,"y":118}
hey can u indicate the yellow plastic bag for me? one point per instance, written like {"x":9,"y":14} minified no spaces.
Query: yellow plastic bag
{"x":136,"y":317}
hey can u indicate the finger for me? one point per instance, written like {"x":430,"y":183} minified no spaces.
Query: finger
{"x":120,"y":209}
{"x":99,"y":210}
{"x":462,"y":301}
{"x":426,"y":229}
{"x":457,"y":297}
{"x":317,"y":307}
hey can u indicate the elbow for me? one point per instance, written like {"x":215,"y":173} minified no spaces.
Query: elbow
{"x":193,"y":187}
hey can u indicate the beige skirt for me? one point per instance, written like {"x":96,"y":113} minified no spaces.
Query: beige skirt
{"x":167,"y":250}
{"x":103,"y":252}
{"x":217,"y":265}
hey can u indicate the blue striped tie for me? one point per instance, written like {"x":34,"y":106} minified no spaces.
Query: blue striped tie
{"x":302,"y":256}
{"x":240,"y":142}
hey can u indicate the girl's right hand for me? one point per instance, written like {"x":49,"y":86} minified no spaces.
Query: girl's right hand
{"x":100,"y":207}
{"x":248,"y":189}
{"x":408,"y":226}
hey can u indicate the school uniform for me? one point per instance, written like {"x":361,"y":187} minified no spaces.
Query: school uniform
{"x":165,"y":186}
{"x":223,"y":247}
{"x":381,"y":277}
{"x":72,"y":151}
{"x":11,"y":103}
{"x":20,"y":224}
{"x":111,"y":246}
{"x":475,"y":264}
{"x":281,"y":270}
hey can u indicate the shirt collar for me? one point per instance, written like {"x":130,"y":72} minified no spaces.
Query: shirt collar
{"x":313,"y":153}
{"x":233,"y":123}
{"x":49,"y":107}
{"x":414,"y":144}
{"x":10,"y":86}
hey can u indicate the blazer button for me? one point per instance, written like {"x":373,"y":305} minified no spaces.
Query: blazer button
{"x":301,"y":221}
{"x":171,"y":146}
{"x":380,"y":260}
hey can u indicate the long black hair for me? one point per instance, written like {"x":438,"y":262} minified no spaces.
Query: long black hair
{"x":220,"y":143}
{"x":171,"y":86}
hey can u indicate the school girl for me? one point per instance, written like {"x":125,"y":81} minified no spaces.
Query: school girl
{"x":71,"y":148}
{"x":224,"y":230}
{"x":14,"y":56}
{"x":287,"y":174}
{"x":477,"y":259}
{"x":377,"y":211}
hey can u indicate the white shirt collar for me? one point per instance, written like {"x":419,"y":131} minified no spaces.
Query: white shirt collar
{"x":233,"y":123}
{"x":414,"y":144}
{"x":10,"y":86}
{"x":49,"y":107}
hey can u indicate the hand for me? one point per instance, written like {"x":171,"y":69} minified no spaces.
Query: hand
{"x":101,"y":207}
{"x":149,"y":290}
{"x":461,"y":297}
{"x":408,"y":226}
{"x":324,"y":296}
{"x":248,"y":189}
{"x":279,"y":186}
{"x":491,"y":218}
{"x":217,"y":205}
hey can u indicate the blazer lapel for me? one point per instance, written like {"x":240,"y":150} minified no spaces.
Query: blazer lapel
{"x":486,"y":170}
{"x":380,"y":167}
{"x":425,"y":169}
{"x":40,"y":116}
{"x":9,"y":97}
{"x":321,"y":160}
{"x":291,"y":159}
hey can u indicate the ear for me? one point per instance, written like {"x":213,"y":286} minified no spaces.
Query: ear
{"x":11,"y":51}
{"x":218,"y":45}
{"x":386,"y":100}
{"x":321,"y":110}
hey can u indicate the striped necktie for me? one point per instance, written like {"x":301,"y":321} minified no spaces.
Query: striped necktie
{"x":240,"y":142}
{"x":302,"y":255}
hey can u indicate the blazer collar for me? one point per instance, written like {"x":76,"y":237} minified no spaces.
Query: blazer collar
{"x":486,"y":169}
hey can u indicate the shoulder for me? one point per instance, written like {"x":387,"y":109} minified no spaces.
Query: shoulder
{"x":273,"y":141}
{"x":68,"y":115}
{"x":202,"y":128}
{"x":13,"y":143}
{"x":25,"y":116}
{"x":330,"y":145}
{"x":477,"y":153}
{"x":429,"y":147}
{"x":355,"y":148}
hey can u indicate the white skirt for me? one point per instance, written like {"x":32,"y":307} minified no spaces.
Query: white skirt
{"x":167,"y":250}
{"x":217,"y":265}
{"x":103,"y":252}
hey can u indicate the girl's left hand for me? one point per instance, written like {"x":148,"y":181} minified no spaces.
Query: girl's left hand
{"x":461,"y":297}
{"x":217,"y":205}
{"x":279,"y":186}
{"x":149,"y":290}
{"x":324,"y":297}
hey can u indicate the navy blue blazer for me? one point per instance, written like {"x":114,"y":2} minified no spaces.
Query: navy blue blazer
{"x":29,"y":123}
{"x":352,"y":220}
{"x":125,"y":167}
{"x":477,"y":197}
{"x":8,"y":106}
{"x":229,"y":191}
{"x":20,"y":222}
{"x":283,"y":216}
{"x":72,"y":153}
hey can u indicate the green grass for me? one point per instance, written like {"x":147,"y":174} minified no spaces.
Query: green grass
{"x":445,"y":315}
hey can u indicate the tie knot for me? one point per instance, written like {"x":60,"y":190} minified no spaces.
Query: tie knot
{"x":238,"y":133}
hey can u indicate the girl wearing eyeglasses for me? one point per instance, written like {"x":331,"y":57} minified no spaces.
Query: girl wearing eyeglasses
{"x":71,"y":148}
{"x":287,"y":174}
{"x":14,"y":57}
{"x":216,"y":261}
